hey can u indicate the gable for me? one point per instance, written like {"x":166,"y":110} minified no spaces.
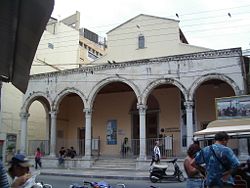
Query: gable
{"x":144,"y":16}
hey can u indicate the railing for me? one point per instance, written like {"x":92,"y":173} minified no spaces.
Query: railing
{"x":166,"y":146}
{"x":42,"y":144}
{"x":79,"y":146}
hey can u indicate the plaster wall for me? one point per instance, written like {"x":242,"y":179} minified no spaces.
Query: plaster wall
{"x":114,"y":106}
{"x":205,"y":101}
{"x":160,"y":41}
{"x":59,"y":49}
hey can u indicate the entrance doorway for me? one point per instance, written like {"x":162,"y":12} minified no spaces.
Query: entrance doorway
{"x":81,"y":141}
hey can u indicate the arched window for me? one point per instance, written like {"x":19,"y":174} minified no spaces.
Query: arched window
{"x":141,"y":42}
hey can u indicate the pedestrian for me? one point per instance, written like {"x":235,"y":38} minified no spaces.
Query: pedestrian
{"x":38,"y":158}
{"x":194,"y":176}
{"x":125,"y":147}
{"x":62,"y":154}
{"x":72,"y":152}
{"x":3,"y":177}
{"x":220,"y":162}
{"x":18,"y":172}
{"x":156,"y":154}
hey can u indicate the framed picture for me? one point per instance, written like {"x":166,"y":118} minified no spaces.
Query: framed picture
{"x":233,"y":107}
{"x":111,"y":133}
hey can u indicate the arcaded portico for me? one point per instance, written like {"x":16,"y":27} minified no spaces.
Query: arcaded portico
{"x":138,"y":98}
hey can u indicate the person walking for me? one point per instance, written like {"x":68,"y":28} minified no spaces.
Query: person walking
{"x":220,"y":162}
{"x":38,"y":158}
{"x":194,"y":177}
{"x":156,"y":156}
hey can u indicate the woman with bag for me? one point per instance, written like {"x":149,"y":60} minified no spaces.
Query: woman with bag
{"x":38,"y":156}
{"x":156,"y":154}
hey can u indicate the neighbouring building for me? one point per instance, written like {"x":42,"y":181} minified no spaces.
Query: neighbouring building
{"x":63,"y":45}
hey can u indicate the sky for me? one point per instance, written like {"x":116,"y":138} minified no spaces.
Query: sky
{"x":215,"y":24}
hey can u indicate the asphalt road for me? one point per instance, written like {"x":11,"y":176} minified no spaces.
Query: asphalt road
{"x":66,"y":181}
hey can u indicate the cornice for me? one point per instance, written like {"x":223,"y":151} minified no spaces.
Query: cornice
{"x":213,"y":54}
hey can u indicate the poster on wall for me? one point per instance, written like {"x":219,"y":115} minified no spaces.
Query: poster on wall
{"x":111,"y":134}
{"x":233,"y":107}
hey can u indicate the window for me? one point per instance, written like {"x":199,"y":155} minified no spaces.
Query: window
{"x":141,"y":42}
{"x":50,"y":45}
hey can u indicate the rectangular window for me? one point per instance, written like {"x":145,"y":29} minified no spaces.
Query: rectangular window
{"x":141,"y":42}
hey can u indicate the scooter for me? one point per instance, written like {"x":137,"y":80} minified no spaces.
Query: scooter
{"x":159,"y":172}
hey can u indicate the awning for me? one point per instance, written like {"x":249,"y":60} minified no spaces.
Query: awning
{"x":22,"y":25}
{"x":236,"y":128}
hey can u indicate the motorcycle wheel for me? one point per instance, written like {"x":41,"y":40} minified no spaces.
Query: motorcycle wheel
{"x":153,"y":180}
{"x":181,"y":177}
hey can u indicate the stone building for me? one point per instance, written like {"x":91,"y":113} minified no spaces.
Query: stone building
{"x":151,"y":83}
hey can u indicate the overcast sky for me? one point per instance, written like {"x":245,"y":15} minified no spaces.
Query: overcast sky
{"x":215,"y":24}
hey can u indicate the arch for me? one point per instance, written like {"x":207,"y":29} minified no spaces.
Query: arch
{"x":65,"y":92}
{"x":207,"y":77}
{"x":161,"y":81}
{"x":41,"y":97}
{"x":108,"y":80}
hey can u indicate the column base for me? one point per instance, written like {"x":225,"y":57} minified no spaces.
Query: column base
{"x":87,"y":157}
{"x":52,"y":155}
{"x":142,"y":158}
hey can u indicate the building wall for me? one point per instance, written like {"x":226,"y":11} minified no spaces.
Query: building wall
{"x":205,"y":101}
{"x":88,"y":49}
{"x":60,"y":49}
{"x":187,"y":76}
{"x":161,"y":39}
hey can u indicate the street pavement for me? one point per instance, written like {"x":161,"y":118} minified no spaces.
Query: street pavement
{"x":96,"y":173}
{"x":100,"y":173}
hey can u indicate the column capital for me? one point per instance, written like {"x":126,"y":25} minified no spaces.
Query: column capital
{"x":53,"y":113}
{"x":189,"y":104}
{"x":87,"y":111}
{"x":141,"y":107}
{"x":24,"y":115}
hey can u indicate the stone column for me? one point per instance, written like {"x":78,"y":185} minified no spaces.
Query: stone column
{"x":142,"y":114}
{"x":23,"y":136}
{"x":189,"y":123}
{"x":88,"y":116}
{"x":53,"y":116}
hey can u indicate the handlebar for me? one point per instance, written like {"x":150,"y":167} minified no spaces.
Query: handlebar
{"x":173,"y":161}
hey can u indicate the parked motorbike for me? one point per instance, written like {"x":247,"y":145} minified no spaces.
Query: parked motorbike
{"x":159,"y":172}
{"x":101,"y":184}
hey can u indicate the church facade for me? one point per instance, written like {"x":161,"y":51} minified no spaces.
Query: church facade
{"x":129,"y":94}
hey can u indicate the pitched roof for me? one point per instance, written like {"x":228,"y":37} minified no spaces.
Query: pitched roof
{"x":139,"y":16}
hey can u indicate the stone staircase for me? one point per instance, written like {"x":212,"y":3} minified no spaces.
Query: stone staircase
{"x":115,"y":164}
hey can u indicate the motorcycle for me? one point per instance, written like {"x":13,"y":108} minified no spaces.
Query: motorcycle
{"x":159,"y":172}
{"x":101,"y":184}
